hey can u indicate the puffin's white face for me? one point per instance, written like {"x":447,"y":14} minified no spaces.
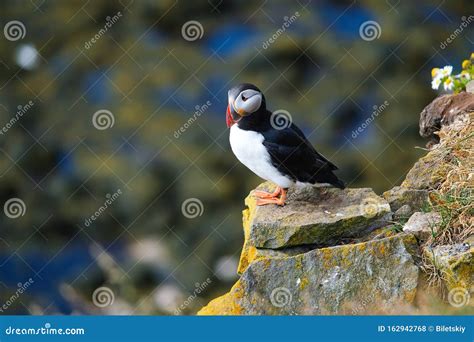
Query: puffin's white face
{"x":247,"y":102}
{"x":243,"y":102}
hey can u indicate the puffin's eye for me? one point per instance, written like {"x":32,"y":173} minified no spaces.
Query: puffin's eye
{"x":244,"y":98}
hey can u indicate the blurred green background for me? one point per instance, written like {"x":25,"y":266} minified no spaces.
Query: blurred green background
{"x":164,"y":87}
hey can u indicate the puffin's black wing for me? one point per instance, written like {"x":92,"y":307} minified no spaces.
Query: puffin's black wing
{"x":293,"y":155}
{"x":301,"y":136}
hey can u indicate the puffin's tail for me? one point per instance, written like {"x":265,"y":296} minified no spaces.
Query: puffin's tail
{"x":326,"y":175}
{"x":338,"y":183}
{"x":334,"y":181}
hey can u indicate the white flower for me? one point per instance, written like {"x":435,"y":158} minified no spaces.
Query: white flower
{"x":464,"y":75}
{"x":436,"y":83}
{"x":435,"y":73}
{"x":448,"y":84}
{"x":446,"y":71}
{"x":439,"y":74}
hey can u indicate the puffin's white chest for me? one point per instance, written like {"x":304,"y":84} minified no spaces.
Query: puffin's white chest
{"x":249,"y":150}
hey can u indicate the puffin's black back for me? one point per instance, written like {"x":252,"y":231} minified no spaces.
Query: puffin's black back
{"x":291,"y":153}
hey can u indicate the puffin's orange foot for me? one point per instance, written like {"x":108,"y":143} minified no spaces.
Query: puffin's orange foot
{"x":273,"y":200}
{"x":265,"y":201}
{"x":264,"y":194}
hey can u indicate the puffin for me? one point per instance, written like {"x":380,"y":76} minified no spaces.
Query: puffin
{"x":277,"y":153}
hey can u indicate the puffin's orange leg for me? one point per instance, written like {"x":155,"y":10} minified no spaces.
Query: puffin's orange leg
{"x":275,"y":200}
{"x":264,"y":194}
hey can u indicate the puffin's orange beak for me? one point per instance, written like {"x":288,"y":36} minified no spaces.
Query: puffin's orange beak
{"x":228,"y":117}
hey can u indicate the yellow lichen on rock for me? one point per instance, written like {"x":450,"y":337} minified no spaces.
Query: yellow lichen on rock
{"x":226,"y":304}
{"x":218,"y":306}
{"x":312,"y":215}
{"x":324,"y":281}
{"x":249,"y":252}
{"x":455,"y":264}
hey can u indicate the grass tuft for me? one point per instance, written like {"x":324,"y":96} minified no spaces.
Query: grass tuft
{"x":453,"y":198}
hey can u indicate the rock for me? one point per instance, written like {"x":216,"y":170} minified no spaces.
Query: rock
{"x":443,"y":111}
{"x":428,"y":172}
{"x":470,"y":87}
{"x":455,"y":263}
{"x":249,"y":251}
{"x":373,"y":276}
{"x":321,"y":216}
{"x":423,"y":225}
{"x":380,"y":233}
{"x":403,"y":212}
{"x":399,"y":196}
{"x":314,"y":216}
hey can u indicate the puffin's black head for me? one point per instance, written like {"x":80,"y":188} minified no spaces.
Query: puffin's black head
{"x":244,"y":99}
